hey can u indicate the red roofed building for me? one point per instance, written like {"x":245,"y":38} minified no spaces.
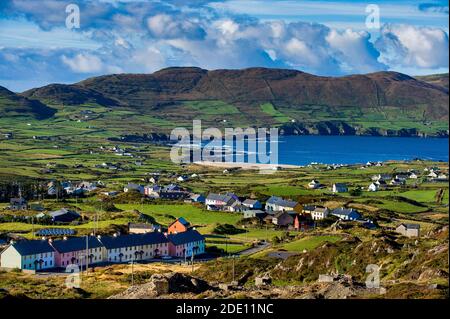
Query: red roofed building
{"x":179,"y":226}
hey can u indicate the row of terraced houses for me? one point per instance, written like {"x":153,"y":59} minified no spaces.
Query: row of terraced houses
{"x":48,"y":254}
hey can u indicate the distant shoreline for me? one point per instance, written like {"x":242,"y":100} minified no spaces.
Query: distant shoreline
{"x":243,"y":165}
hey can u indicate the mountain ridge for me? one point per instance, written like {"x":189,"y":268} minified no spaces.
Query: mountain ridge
{"x":383,"y":100}
{"x":12,"y":104}
{"x":254,"y":85}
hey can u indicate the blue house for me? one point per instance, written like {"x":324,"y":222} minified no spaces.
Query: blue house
{"x":197,"y":198}
{"x":346,"y":213}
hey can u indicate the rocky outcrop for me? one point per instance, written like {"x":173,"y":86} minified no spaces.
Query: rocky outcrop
{"x":344,"y":128}
{"x":164,"y":284}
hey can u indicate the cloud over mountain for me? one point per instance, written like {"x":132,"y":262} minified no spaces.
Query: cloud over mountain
{"x":136,"y":36}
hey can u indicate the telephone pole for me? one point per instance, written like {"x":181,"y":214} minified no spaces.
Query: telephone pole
{"x":87,"y":254}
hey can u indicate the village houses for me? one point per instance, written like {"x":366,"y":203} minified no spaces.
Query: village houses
{"x":74,"y":251}
{"x":276,"y":204}
{"x":124,"y":248}
{"x":282,"y":219}
{"x":339,"y":188}
{"x":182,"y":241}
{"x":316,"y":212}
{"x":252,"y":204}
{"x":346,"y":213}
{"x":226,"y":202}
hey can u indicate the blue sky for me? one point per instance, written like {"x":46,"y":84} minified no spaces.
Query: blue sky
{"x":320,"y":37}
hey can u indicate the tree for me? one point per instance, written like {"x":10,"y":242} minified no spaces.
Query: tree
{"x":356,"y":192}
{"x":275,"y":240}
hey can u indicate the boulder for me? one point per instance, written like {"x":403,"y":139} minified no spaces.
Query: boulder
{"x":326,"y":278}
{"x":263,"y":281}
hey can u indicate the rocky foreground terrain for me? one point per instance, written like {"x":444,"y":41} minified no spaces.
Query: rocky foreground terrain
{"x":408,"y":269}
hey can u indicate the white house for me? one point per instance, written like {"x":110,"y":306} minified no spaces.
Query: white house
{"x":28,"y":255}
{"x":182,"y":178}
{"x":409,"y":230}
{"x":413,"y":176}
{"x":373,"y":187}
{"x":433,"y":174}
{"x":316,"y":212}
{"x":314,"y":184}
{"x":219,"y":201}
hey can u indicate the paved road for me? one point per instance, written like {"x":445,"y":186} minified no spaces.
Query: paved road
{"x":254,"y":250}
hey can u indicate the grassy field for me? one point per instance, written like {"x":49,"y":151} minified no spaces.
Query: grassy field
{"x":269,"y":109}
{"x":229,"y":248}
{"x":309,"y":243}
{"x":165,"y":214}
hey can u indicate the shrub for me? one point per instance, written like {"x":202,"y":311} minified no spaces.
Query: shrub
{"x":227,"y":229}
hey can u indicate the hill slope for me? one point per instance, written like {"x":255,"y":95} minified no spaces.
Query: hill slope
{"x":259,"y":96}
{"x":12,"y":104}
{"x":281,"y":87}
{"x":435,"y":79}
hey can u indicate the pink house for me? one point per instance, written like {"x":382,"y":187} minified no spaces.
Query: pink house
{"x":73,"y":251}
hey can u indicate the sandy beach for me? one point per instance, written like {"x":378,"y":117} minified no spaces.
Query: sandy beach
{"x":246,"y":165}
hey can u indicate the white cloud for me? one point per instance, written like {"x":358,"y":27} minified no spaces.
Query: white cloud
{"x":410,"y":46}
{"x":354,"y":51}
{"x":167,"y":26}
{"x":83,"y":63}
{"x":147,"y":36}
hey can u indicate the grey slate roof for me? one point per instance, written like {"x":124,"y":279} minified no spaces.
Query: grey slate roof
{"x":185,"y":237}
{"x":32,"y":247}
{"x":112,"y":242}
{"x":140,"y":225}
{"x":344,"y":211}
{"x":281,"y":202}
{"x":64,"y":211}
{"x":227,"y":198}
{"x":76,"y":244}
{"x":250,"y":201}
